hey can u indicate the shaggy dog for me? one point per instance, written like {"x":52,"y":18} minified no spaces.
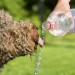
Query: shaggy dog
{"x":16,"y":38}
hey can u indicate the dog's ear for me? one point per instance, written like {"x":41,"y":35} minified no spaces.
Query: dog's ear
{"x":35,"y":34}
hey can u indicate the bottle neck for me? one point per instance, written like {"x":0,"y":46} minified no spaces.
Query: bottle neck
{"x":48,"y":25}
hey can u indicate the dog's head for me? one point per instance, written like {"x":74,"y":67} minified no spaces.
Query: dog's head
{"x":32,"y":35}
{"x":27,"y":36}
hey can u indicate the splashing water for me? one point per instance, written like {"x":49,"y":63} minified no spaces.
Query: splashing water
{"x":38,"y":54}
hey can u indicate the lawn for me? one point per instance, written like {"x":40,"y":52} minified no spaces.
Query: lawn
{"x":58,"y":58}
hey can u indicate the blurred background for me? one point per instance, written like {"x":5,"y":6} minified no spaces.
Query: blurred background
{"x":58,"y":53}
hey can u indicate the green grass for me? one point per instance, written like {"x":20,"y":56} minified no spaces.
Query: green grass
{"x":58,"y":58}
{"x":58,"y":61}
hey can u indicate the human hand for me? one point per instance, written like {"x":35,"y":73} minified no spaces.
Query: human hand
{"x":63,"y":7}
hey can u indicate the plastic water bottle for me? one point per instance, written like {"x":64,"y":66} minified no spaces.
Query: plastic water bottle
{"x":58,"y":25}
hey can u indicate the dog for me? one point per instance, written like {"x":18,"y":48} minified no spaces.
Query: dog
{"x":17,"y":38}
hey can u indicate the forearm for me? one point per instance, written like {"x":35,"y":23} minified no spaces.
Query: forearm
{"x":62,"y":5}
{"x":65,"y":0}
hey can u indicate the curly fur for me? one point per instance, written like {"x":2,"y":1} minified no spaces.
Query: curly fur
{"x":15,"y":38}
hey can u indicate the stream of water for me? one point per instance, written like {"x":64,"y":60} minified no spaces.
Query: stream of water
{"x":37,"y":61}
{"x":38,"y":54}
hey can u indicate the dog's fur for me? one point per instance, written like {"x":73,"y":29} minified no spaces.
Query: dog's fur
{"x":16,"y":38}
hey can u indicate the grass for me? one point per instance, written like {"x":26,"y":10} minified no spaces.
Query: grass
{"x":58,"y":58}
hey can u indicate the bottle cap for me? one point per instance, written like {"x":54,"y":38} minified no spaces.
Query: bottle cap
{"x":48,"y":25}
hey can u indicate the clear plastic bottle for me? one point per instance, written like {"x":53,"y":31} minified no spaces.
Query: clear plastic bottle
{"x":58,"y":25}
